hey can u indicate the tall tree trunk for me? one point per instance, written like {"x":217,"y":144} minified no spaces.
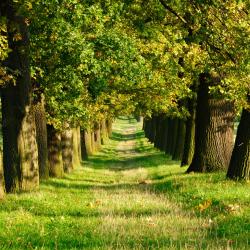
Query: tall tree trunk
{"x":165,"y":136}
{"x":188,"y":150}
{"x":239,"y":167}
{"x":55,"y":152}
{"x":41,"y":137}
{"x":163,"y":133}
{"x":104,"y":132}
{"x":152,"y":129}
{"x":178,"y":152}
{"x":158,"y":131}
{"x":67,"y":149}
{"x":88,"y":143}
{"x":174,"y":135}
{"x":214,"y":131}
{"x":93,"y":142}
{"x":109,"y":127}
{"x":76,"y":147}
{"x":20,"y":153}
{"x":169,"y":138}
{"x":97,"y":136}
{"x":84,"y":152}
{"x":1,"y":176}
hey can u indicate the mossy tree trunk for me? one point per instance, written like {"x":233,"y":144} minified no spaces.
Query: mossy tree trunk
{"x":97,"y":136}
{"x":55,"y":152}
{"x":239,"y":167}
{"x":67,"y":149}
{"x":87,"y":144}
{"x":77,"y":158}
{"x":109,"y":127}
{"x":41,"y":137}
{"x":20,"y":153}
{"x":214,"y":131}
{"x":94,"y":149}
{"x":104,"y":132}
{"x":188,"y":150}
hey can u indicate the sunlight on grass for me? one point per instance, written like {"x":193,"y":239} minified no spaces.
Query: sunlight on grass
{"x":129,"y":196}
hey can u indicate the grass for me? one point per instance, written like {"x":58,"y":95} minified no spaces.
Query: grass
{"x":129,"y":196}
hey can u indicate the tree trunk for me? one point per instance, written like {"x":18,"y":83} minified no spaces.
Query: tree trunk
{"x":169,"y":138}
{"x":165,"y":136}
{"x":214,"y":131}
{"x":41,"y":137}
{"x":67,"y":149}
{"x":174,"y":135}
{"x":239,"y":167}
{"x":76,"y":147}
{"x":181,"y":131}
{"x":84,"y":152}
{"x":109,"y":127}
{"x":93,"y":142}
{"x":158,"y":131}
{"x":55,"y":152}
{"x":20,"y":153}
{"x":97,"y":137}
{"x":88,"y":143}
{"x":163,"y":133}
{"x":1,"y":176}
{"x":152,"y":132}
{"x":104,"y":132}
{"x":188,"y":150}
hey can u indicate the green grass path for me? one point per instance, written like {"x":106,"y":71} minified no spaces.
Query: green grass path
{"x":129,"y":196}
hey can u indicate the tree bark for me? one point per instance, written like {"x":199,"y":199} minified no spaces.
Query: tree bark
{"x":67,"y":149}
{"x":55,"y":152}
{"x":84,"y":152}
{"x":188,"y":150}
{"x":97,"y":136}
{"x":1,"y":176}
{"x":174,"y":136}
{"x":20,"y":153}
{"x":158,"y":131}
{"x":76,"y":147}
{"x":88,"y":143}
{"x":169,"y":138}
{"x":104,"y":132}
{"x":239,"y":167}
{"x":41,"y":137}
{"x":179,"y":147}
{"x":109,"y":127}
{"x":214,"y":131}
{"x":152,"y":131}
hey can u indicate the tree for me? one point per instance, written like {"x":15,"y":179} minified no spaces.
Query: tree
{"x":239,"y":167}
{"x":20,"y":156}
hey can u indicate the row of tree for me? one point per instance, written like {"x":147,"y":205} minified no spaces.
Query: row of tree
{"x":204,"y":140}
{"x":80,"y":63}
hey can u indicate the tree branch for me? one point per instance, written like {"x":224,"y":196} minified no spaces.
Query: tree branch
{"x":172,"y":11}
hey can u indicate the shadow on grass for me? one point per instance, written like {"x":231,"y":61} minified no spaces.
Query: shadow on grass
{"x":133,"y":162}
{"x":126,"y":137}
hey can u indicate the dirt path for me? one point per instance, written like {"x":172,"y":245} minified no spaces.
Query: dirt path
{"x":126,"y":148}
